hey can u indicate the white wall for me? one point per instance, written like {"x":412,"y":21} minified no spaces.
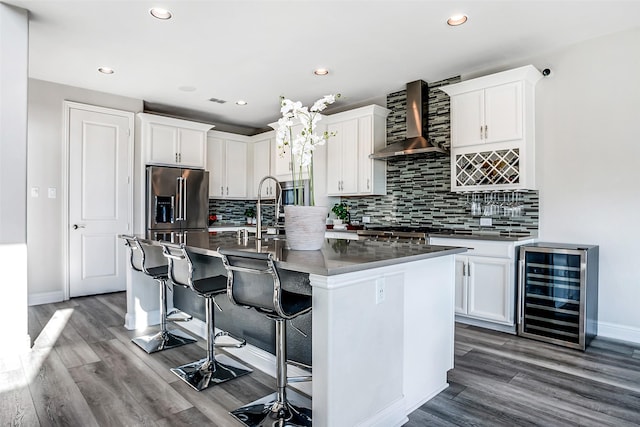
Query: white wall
{"x":588,"y":135}
{"x":14,"y":59}
{"x":44,"y":170}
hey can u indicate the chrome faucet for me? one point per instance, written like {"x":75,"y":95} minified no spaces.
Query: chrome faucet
{"x":278,"y":203}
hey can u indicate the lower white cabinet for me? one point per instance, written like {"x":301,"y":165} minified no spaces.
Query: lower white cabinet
{"x":485,"y":283}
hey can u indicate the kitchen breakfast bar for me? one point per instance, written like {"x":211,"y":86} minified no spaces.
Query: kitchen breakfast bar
{"x":382,"y":319}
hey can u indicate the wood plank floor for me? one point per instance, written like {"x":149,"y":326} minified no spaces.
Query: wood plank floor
{"x":84,"y":371}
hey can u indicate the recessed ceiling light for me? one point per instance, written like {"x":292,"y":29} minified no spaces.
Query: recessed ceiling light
{"x":241,"y":102}
{"x":320,"y":71}
{"x":106,"y":70}
{"x":159,"y":13}
{"x":456,"y":20}
{"x":187,"y":88}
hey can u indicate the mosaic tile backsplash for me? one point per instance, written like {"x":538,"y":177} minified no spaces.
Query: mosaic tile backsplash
{"x":418,"y":187}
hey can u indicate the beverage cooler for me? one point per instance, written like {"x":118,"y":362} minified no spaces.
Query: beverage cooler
{"x":558,"y":293}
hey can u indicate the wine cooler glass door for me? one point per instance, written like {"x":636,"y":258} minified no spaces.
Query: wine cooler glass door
{"x":551,"y":295}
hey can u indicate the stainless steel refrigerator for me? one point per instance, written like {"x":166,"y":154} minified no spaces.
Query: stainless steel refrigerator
{"x":177,"y":201}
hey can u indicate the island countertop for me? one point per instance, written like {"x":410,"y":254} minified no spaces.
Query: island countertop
{"x":337,"y":256}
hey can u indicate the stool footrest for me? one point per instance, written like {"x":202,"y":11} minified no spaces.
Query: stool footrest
{"x":178,"y":316}
{"x":300,"y":365}
{"x":299,"y":379}
{"x":241,"y":342}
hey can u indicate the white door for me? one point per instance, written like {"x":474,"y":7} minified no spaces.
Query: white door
{"x":262,"y":167}
{"x":349,"y":182}
{"x":163,"y":144}
{"x":236,"y":168}
{"x":489,"y":293}
{"x":460,"y":285}
{"x":365,"y":147}
{"x":192,"y":148}
{"x":100,"y":164}
{"x":215,"y":166}
{"x":334,"y":159}
{"x":467,"y":119}
{"x":503,"y":112}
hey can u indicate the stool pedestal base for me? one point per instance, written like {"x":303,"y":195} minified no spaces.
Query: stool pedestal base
{"x":203,"y":373}
{"x":163,"y":340}
{"x":267,"y":411}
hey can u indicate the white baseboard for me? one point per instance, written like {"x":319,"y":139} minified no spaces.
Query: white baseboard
{"x":619,"y":332}
{"x":256,"y":357}
{"x":45,"y":298}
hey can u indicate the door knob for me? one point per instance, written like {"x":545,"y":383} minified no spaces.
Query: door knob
{"x":76,"y":226}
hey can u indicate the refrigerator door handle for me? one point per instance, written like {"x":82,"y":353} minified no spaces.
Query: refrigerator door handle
{"x":184,"y":198}
{"x":179,"y":196}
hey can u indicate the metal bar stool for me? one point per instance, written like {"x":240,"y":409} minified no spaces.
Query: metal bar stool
{"x":164,"y":339}
{"x":254,"y":282}
{"x":213,"y":369}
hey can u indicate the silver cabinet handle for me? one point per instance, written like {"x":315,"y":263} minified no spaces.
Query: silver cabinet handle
{"x":221,"y":190}
{"x":486,"y":132}
{"x":481,"y":132}
{"x":227,"y":191}
{"x":76,"y":226}
{"x":367,"y":183}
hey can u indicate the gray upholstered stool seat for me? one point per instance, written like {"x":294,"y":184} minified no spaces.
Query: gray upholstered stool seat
{"x":254,"y":281}
{"x":213,"y":369}
{"x":165,"y":338}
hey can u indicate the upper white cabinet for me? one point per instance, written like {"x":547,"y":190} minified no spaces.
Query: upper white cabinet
{"x":487,"y":115}
{"x":173,"y":142}
{"x":493,"y":131}
{"x":227,"y":165}
{"x":359,"y":133}
{"x":263,"y":152}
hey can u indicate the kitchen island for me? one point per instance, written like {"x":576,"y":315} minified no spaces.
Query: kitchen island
{"x":382,"y":322}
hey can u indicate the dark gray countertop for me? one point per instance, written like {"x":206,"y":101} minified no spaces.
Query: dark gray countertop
{"x":337,"y":256}
{"x":486,"y":235}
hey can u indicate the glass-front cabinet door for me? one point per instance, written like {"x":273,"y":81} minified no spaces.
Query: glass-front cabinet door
{"x":552,"y":287}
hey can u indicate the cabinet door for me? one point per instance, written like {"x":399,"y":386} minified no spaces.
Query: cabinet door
{"x":334,"y":159}
{"x":192,"y":148}
{"x":261,"y":167}
{"x":490,"y":289}
{"x":236,"y":169}
{"x":350,"y":157}
{"x":460,"y":285}
{"x":365,"y":147}
{"x":467,"y":118}
{"x":503,"y":112}
{"x":215,"y":166}
{"x":163,"y":144}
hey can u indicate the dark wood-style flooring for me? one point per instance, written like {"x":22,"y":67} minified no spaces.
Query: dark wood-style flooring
{"x":84,"y":371}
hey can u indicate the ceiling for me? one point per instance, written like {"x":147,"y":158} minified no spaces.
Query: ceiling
{"x":260,"y":50}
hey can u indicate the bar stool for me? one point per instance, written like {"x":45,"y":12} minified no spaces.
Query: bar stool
{"x":254,"y":282}
{"x":213,"y":369}
{"x":164,"y":339}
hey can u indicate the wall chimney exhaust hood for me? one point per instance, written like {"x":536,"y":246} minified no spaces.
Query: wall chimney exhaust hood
{"x":416,"y":141}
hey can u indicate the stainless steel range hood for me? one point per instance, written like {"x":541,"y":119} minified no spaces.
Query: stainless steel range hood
{"x":415,"y":142}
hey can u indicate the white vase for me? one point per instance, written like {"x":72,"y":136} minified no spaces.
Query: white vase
{"x":305,"y":227}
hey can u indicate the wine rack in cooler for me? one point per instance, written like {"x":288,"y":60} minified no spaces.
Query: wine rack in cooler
{"x":558,"y":293}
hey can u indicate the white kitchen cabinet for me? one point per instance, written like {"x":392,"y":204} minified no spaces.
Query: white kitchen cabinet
{"x":493,"y":131}
{"x":485,"y":286}
{"x":227,"y":165}
{"x":173,"y":142}
{"x":342,"y":158}
{"x":359,"y":133}
{"x":263,"y":152}
{"x":487,"y":115}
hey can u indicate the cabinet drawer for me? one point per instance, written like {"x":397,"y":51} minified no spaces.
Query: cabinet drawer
{"x":479,"y":247}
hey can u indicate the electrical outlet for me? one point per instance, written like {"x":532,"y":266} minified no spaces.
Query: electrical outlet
{"x":366,"y":219}
{"x":486,"y":222}
{"x":52,"y":193}
{"x":380,"y":291}
{"x":35,"y":191}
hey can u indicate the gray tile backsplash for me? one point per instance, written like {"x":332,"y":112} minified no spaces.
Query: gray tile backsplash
{"x":418,"y":187}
